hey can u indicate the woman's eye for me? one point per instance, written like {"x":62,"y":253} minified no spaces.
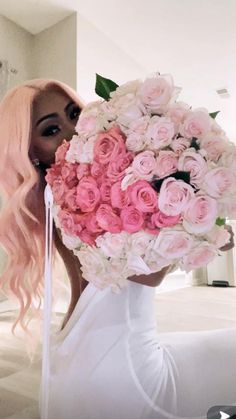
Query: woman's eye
{"x":75,"y":113}
{"x":50,"y":131}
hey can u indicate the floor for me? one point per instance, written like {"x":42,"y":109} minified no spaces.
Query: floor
{"x":179,"y":307}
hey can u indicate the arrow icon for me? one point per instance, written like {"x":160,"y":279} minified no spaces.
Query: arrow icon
{"x":224,"y":415}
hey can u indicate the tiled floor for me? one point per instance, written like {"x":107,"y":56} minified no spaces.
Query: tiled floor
{"x":182,"y":309}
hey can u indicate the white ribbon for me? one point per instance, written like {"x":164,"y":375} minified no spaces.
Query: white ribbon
{"x":48,"y":199}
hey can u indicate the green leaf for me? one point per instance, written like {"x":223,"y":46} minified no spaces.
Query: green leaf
{"x":220,"y":221}
{"x":214,"y":114}
{"x":104,"y":87}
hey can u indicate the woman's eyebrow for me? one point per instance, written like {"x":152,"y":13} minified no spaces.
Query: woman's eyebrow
{"x":53,"y":115}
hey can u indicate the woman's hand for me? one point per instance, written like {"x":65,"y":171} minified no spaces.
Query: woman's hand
{"x":230,"y":244}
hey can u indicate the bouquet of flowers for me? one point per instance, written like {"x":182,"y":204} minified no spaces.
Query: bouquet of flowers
{"x":147,"y":182}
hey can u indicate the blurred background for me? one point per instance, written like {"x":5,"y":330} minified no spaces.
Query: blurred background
{"x":72,"y":40}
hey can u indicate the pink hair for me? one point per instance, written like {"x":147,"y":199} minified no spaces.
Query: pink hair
{"x":22,"y":217}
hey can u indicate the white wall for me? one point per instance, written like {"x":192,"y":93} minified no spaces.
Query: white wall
{"x":55,"y":52}
{"x":16,"y":47}
{"x":96,"y":53}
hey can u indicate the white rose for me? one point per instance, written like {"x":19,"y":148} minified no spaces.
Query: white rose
{"x":87,"y":153}
{"x":214,"y":145}
{"x":135,"y":142}
{"x":91,"y":122}
{"x":177,"y":112}
{"x":73,"y":153}
{"x":71,"y":242}
{"x":218,"y":236}
{"x":155,"y":93}
{"x":196,"y":123}
{"x":93,"y":265}
{"x":199,"y":256}
{"x":130,"y":113}
{"x":139,"y":242}
{"x":160,"y":132}
{"x":172,"y":244}
{"x":126,"y":88}
{"x":154,"y":260}
{"x":113,"y":245}
{"x":193,"y":162}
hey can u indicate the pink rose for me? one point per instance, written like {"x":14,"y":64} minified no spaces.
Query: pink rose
{"x":218,"y":236}
{"x":180,"y":144}
{"x":69,"y":222}
{"x":68,"y":174}
{"x":83,"y":169}
{"x":91,"y":223}
{"x":166,"y":163}
{"x":193,"y":162}
{"x":200,"y":214}
{"x":132,"y":219}
{"x":135,"y":142}
{"x":88,"y":194}
{"x":174,"y":196}
{"x":143,"y":196}
{"x":87,"y":123}
{"x":87,"y":237}
{"x":149,"y":226}
{"x":155,"y":93}
{"x":199,"y":256}
{"x":162,"y":220}
{"x":70,"y":199}
{"x":139,"y":126}
{"x":109,"y":145}
{"x":129,"y":113}
{"x":228,"y":158}
{"x":144,"y":165}
{"x":219,"y":182}
{"x":160,"y":132}
{"x":107,"y":219}
{"x":196,"y":123}
{"x":105,"y":191}
{"x":116,"y":167}
{"x":172,"y":244}
{"x":214,"y":145}
{"x":61,"y":151}
{"x":53,"y":173}
{"x":177,"y":112}
{"x":59,"y":189}
{"x":96,"y":169}
{"x":119,"y":198}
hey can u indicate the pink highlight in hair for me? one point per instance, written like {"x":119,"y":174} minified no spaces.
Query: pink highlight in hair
{"x":22,"y":216}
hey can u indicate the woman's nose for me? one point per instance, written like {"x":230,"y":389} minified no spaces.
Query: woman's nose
{"x":70,"y":131}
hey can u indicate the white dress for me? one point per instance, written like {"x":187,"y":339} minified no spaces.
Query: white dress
{"x":109,"y":362}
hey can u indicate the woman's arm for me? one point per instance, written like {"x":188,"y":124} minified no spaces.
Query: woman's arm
{"x":154,"y":279}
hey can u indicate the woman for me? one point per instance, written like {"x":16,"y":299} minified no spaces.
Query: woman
{"x":107,"y":359}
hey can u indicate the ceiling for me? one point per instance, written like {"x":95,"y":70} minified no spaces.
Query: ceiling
{"x":194,"y":40}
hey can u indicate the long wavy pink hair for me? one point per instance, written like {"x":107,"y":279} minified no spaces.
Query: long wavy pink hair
{"x":22,"y":217}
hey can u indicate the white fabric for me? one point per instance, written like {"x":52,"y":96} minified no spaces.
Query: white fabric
{"x":48,"y":200}
{"x":109,"y":362}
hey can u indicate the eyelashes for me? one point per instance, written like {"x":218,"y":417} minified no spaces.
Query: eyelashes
{"x":48,"y":132}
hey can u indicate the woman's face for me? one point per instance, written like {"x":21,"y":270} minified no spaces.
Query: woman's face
{"x":54,"y":118}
